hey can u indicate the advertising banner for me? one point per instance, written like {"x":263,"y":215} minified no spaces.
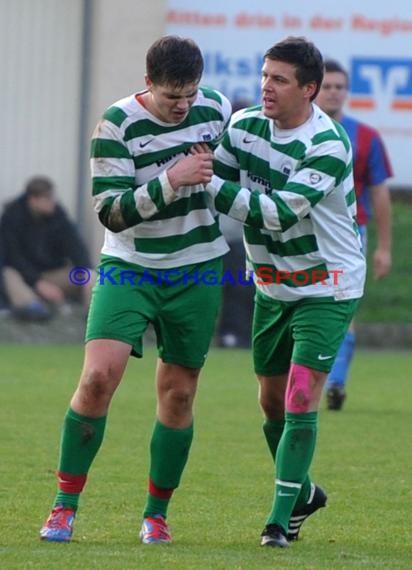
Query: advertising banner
{"x":373,"y":41}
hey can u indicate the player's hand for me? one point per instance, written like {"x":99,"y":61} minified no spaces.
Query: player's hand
{"x":49,"y":291}
{"x":192,"y":169}
{"x":199,"y":148}
{"x":381,"y":263}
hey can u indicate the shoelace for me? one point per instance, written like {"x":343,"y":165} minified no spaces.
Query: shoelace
{"x":160,"y":528}
{"x":163,"y":533}
{"x":58,"y":516}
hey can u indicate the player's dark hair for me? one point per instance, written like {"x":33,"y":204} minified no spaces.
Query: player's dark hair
{"x":175,"y":61}
{"x":304,"y":56}
{"x":333,"y":66}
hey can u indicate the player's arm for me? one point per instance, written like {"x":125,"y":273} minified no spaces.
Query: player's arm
{"x":379,"y":170}
{"x":381,"y":204}
{"x":280,"y":210}
{"x":277,"y":212}
{"x":121,"y":204}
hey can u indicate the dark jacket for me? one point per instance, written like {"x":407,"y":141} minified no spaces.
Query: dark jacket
{"x":33,"y":245}
{"x":3,"y":296}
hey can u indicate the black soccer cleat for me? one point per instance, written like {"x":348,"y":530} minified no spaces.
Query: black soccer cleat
{"x":317,"y":500}
{"x":335,"y":397}
{"x":273,"y":535}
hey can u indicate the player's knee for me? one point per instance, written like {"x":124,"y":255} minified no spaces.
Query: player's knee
{"x":180,"y":398}
{"x":274,"y":408}
{"x":298,"y":393}
{"x":97,"y":384}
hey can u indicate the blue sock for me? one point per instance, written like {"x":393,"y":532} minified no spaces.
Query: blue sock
{"x":339,"y":373}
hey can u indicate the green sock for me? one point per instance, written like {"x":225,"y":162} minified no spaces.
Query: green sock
{"x":294,"y":456}
{"x":304,"y":493}
{"x":169,"y":450}
{"x":273,"y":431}
{"x":80,"y":441}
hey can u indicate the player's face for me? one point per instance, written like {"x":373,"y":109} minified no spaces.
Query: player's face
{"x":333,"y":93}
{"x":283,"y":100}
{"x":169,"y":103}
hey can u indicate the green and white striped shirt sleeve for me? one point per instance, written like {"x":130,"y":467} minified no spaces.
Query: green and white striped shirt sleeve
{"x":282,"y":208}
{"x":117,"y":200}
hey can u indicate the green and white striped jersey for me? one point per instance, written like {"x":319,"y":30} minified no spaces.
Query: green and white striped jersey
{"x":294,"y":191}
{"x":147,"y":223}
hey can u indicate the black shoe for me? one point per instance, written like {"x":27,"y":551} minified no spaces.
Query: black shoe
{"x":273,"y":535}
{"x":317,"y":500}
{"x":335,"y":396}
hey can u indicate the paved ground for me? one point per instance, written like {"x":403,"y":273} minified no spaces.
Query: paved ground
{"x":385,"y":335}
{"x":69,"y":328}
{"x":65,"y":328}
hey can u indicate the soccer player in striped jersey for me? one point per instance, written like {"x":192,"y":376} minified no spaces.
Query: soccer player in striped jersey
{"x":161,"y":236}
{"x":285,"y":170}
{"x":371,"y":168}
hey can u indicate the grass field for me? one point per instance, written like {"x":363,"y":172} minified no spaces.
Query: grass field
{"x":363,"y":460}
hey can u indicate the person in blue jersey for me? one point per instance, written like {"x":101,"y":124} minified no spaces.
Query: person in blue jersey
{"x":161,"y":237}
{"x":284,"y":169}
{"x":372,"y":168}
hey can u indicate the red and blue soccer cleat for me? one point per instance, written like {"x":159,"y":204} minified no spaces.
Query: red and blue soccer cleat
{"x":155,"y":531}
{"x":59,"y":525}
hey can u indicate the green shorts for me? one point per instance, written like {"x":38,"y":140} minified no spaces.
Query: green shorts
{"x":181,"y":303}
{"x":307,"y":332}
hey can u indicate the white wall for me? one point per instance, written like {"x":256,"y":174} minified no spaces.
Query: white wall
{"x":39,"y":95}
{"x":122,"y":33}
{"x":41,"y":85}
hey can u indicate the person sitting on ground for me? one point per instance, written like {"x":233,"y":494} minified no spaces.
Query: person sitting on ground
{"x":41,"y":246}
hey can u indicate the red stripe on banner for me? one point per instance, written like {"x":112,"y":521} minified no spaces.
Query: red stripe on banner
{"x":361,"y":103}
{"x":402,"y":105}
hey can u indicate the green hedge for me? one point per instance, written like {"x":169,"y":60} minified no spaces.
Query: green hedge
{"x":390,"y":300}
